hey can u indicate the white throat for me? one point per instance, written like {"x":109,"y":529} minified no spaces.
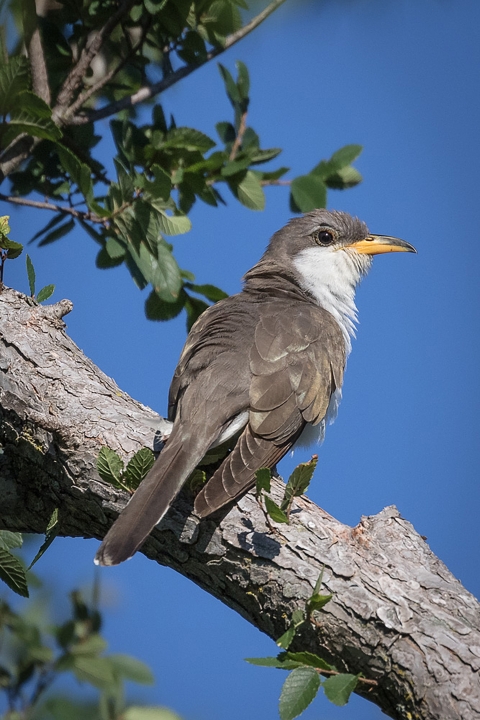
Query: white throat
{"x":331,"y":277}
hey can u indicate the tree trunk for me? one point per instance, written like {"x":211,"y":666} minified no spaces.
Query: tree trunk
{"x":397,"y":614}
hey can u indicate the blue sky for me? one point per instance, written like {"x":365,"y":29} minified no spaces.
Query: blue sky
{"x":400,"y":77}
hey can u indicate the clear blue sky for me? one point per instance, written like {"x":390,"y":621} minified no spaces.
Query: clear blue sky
{"x":400,"y":77}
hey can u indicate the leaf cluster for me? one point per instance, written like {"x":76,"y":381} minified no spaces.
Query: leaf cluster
{"x":34,"y":654}
{"x":161,"y":169}
{"x":296,"y":486}
{"x":112,"y":470}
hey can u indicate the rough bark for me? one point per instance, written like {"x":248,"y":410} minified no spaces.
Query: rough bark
{"x":398,"y":615}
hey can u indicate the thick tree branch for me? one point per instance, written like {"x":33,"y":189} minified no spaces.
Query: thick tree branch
{"x":33,"y":43}
{"x":398,"y":615}
{"x":149,"y":91}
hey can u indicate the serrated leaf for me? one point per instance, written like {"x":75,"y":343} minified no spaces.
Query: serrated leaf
{"x":130,"y":668}
{"x":79,"y":172}
{"x":14,"y":250}
{"x":188,"y":139}
{"x":308,"y":192}
{"x":92,"y":645}
{"x":10,"y":540}
{"x":30,"y":275}
{"x":174,"y":224}
{"x":261,"y":156}
{"x":33,"y":104}
{"x":306,"y":658}
{"x":114,"y":249}
{"x":45,"y":293}
{"x":103,"y":261}
{"x":275,"y":174}
{"x":299,"y":481}
{"x":12,"y":573}
{"x":298,"y":691}
{"x":263,"y":480}
{"x":161,"y":185}
{"x":158,"y":309}
{"x":149,"y":713}
{"x":58,"y":233}
{"x":51,"y":533}
{"x":138,"y":467}
{"x":274,"y":511}
{"x":7,"y":244}
{"x":109,"y":465}
{"x":249,"y":191}
{"x":211,"y":292}
{"x":4,"y":225}
{"x":22,"y":121}
{"x":233,"y":167}
{"x":338,"y":688}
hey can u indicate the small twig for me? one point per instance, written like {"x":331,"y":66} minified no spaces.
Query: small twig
{"x":238,"y":140}
{"x":148,"y":91}
{"x":93,"y":46}
{"x":275,"y":182}
{"x":51,"y":206}
{"x":321,"y":671}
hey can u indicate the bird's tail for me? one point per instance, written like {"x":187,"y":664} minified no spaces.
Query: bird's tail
{"x":151,"y":500}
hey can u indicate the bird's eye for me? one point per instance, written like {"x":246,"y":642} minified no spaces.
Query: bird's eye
{"x":324,"y":237}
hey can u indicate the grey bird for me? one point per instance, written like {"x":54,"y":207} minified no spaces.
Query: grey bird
{"x":266,"y":364}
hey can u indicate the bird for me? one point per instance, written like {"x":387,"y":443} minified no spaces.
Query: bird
{"x":265,"y":365}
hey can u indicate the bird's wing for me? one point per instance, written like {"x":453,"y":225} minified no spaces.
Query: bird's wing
{"x":296,"y":361}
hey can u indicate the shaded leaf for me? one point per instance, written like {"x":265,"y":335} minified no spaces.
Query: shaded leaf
{"x":58,"y":233}
{"x":14,"y":79}
{"x":12,"y":573}
{"x":338,"y":688}
{"x":263,"y":480}
{"x":158,"y":309}
{"x":261,"y":156}
{"x":161,"y":185}
{"x":109,"y":465}
{"x":306,"y":658}
{"x":211,"y":292}
{"x":317,"y":602}
{"x":138,"y":467}
{"x":45,"y":293}
{"x":10,"y":540}
{"x":231,"y":88}
{"x":194,"y":308}
{"x":274,"y":662}
{"x":274,"y":511}
{"x":51,"y":533}
{"x":346,"y":177}
{"x":243,"y":80}
{"x":299,"y":481}
{"x":298,"y":691}
{"x":30,"y":275}
{"x":226,"y":132}
{"x":285,"y":640}
{"x":115,"y":249}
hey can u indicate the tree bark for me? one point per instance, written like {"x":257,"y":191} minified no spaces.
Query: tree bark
{"x":397,"y":614}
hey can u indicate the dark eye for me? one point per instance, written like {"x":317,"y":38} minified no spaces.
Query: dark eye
{"x":324,"y":237}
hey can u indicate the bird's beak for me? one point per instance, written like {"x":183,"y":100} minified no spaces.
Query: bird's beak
{"x":377,"y":244}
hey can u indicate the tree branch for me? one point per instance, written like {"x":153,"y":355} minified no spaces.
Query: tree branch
{"x":35,"y":52}
{"x":397,"y":615}
{"x":149,"y":91}
{"x":51,"y":206}
{"x":19,"y":150}
{"x":93,"y":46}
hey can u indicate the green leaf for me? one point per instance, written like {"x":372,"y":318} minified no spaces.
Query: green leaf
{"x":306,"y":658}
{"x":97,"y":671}
{"x":14,"y":250}
{"x":12,"y":573}
{"x":173,"y":224}
{"x":188,"y":139}
{"x":226,"y":132}
{"x":93,"y":645}
{"x":230,"y":85}
{"x":194,"y":308}
{"x":14,"y":79}
{"x":51,"y":533}
{"x":263,"y":480}
{"x":345,"y":156}
{"x":4,"y":226}
{"x":261,"y":156}
{"x":79,"y":172}
{"x":243,"y":81}
{"x":115,"y":249}
{"x":299,"y":481}
{"x":138,"y":467}
{"x":10,"y":540}
{"x":308,"y":192}
{"x":317,"y":602}
{"x":31,"y":275}
{"x":249,"y":191}
{"x":274,"y":511}
{"x":45,"y":293}
{"x":345,"y":178}
{"x":268,"y":662}
{"x":149,"y":713}
{"x":130,"y":668}
{"x":33,"y":104}
{"x":109,"y":466}
{"x":158,"y":309}
{"x":161,"y":185}
{"x":103,"y":261}
{"x":298,"y":691}
{"x":338,"y":688}
{"x":23,"y":121}
{"x":211,"y":292}
{"x":58,"y":233}
{"x":233,"y":167}
{"x":285,"y":640}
